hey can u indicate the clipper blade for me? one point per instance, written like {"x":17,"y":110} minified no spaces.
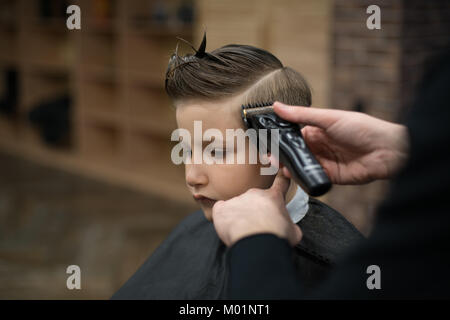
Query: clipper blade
{"x":250,"y":110}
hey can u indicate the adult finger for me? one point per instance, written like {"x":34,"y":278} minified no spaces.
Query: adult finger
{"x":275,"y":163}
{"x":298,"y":235}
{"x":286,"y":172}
{"x":322,"y":118}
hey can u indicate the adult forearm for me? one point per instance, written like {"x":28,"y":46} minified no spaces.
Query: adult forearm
{"x":261,"y":267}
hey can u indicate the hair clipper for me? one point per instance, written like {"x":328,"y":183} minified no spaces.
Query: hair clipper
{"x":293,"y":152}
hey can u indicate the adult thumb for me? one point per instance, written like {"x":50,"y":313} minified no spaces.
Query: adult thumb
{"x":281,"y":184}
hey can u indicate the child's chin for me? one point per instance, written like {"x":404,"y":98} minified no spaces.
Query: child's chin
{"x":208,"y":213}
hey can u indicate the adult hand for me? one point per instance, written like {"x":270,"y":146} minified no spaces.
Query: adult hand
{"x":352,"y":147}
{"x":254,"y":212}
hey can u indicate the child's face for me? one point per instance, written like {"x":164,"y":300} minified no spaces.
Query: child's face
{"x":211,"y":182}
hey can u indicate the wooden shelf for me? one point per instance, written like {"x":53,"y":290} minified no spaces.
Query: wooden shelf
{"x":98,"y":49}
{"x":38,"y":86}
{"x":47,"y":49}
{"x":100,"y":141}
{"x":144,"y":55}
{"x":99,"y":95}
{"x":45,"y":68}
{"x":147,"y":28}
{"x":99,"y":73}
{"x":54,"y":26}
{"x":8,"y":128}
{"x":149,"y":155}
{"x":73,"y":162}
{"x":114,"y":68}
{"x":103,"y":117}
{"x":149,"y":79}
{"x":149,"y":109}
{"x":100,"y":27}
{"x":8,"y":45}
{"x":8,"y":10}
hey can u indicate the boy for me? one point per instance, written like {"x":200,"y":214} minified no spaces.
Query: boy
{"x":211,"y":87}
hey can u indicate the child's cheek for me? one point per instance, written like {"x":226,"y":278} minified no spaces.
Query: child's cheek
{"x":230,"y":180}
{"x":237,"y":179}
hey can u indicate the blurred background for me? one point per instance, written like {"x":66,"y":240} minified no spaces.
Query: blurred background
{"x":85,"y":170}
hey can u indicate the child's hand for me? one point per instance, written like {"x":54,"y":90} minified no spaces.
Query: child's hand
{"x":256,"y":211}
{"x":352,"y":147}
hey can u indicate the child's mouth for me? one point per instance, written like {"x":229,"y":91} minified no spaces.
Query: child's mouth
{"x":205,"y":201}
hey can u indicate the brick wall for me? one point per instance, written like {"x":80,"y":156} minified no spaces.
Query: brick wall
{"x":377,"y":72}
{"x":425,"y":35}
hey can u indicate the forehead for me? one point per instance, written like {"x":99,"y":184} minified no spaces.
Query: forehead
{"x":221,"y":114}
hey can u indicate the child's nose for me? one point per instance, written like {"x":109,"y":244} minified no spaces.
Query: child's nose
{"x":195,"y":175}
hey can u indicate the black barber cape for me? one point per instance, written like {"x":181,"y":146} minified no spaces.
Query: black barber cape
{"x":192,"y":262}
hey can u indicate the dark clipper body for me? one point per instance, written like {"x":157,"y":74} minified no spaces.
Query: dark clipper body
{"x":293,"y":152}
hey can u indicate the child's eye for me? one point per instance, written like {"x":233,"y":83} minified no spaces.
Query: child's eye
{"x":188,"y":153}
{"x":218,"y":153}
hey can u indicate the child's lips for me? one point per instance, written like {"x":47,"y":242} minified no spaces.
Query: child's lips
{"x":204,"y":200}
